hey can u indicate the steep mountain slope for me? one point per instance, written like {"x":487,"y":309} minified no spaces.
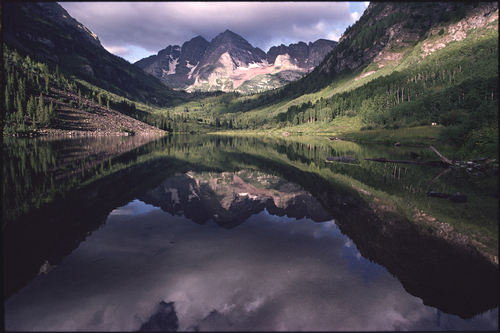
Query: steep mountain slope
{"x":230,"y":63}
{"x":47,"y":33}
{"x":174,"y":65}
{"x":385,"y":29}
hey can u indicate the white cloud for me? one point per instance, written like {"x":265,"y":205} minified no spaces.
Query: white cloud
{"x":335,"y":34}
{"x":355,"y":16}
{"x":118,"y":50}
{"x":152,"y":26}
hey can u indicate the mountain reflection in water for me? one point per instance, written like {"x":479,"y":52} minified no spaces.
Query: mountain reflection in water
{"x":229,"y":200}
{"x":204,"y":233}
{"x":153,"y":268}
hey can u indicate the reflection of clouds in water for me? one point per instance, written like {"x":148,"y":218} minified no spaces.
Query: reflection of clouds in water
{"x":262,"y":275}
{"x":135,"y":207}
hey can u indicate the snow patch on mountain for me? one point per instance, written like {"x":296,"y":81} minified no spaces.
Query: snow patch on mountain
{"x":192,"y":67}
{"x":172,"y":65}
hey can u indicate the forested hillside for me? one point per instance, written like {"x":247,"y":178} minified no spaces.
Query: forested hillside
{"x":29,"y":85}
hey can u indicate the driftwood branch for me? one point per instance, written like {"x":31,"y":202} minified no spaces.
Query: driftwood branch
{"x":439,"y":175}
{"x":444,"y":159}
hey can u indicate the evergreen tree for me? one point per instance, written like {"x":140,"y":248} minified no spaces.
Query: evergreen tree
{"x":47,"y":83}
{"x":31,"y":107}
{"x":7,"y":101}
{"x":40,"y":111}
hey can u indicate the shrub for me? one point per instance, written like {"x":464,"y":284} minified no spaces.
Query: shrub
{"x":350,"y":113}
{"x":396,"y":125}
{"x":482,"y":142}
{"x":454,"y":135}
{"x":124,"y":129}
{"x":366,"y":128}
{"x":453,"y":117}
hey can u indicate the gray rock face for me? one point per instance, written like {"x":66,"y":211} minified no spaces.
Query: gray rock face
{"x":199,"y":62}
{"x":56,"y":14}
{"x":174,"y":64}
{"x":191,"y":53}
{"x":300,"y":52}
{"x":318,"y":50}
{"x":241,"y":53}
{"x":275,"y":51}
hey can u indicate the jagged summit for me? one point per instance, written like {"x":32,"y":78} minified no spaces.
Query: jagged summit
{"x":229,"y":63}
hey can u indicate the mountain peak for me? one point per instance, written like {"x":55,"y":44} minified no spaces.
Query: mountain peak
{"x":228,"y":36}
{"x":230,"y":58}
{"x":198,"y":38}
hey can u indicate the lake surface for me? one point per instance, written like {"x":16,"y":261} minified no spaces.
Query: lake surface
{"x":228,"y":233}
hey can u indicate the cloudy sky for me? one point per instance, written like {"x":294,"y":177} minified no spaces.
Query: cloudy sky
{"x":134,"y":30}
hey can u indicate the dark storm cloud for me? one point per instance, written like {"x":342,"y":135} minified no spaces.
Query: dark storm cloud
{"x":136,"y":29}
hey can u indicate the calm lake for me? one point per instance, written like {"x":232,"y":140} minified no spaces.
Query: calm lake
{"x":216,"y":233}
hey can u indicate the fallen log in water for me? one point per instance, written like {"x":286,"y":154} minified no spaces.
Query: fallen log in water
{"x":431,"y":163}
{"x":439,"y":175}
{"x":438,"y":194}
{"x":456,"y":198}
{"x":444,"y":159}
{"x":445,"y":162}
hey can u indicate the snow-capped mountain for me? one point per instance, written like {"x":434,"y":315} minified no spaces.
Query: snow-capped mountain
{"x":230,"y":63}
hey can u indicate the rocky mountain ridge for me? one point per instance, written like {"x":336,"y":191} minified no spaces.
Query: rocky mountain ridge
{"x":230,"y":63}
{"x":231,"y":198}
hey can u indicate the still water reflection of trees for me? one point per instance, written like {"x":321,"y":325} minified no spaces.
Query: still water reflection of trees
{"x":62,"y":190}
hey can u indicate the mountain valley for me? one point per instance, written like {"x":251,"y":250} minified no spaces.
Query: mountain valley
{"x":401,"y":65}
{"x":246,"y":142}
